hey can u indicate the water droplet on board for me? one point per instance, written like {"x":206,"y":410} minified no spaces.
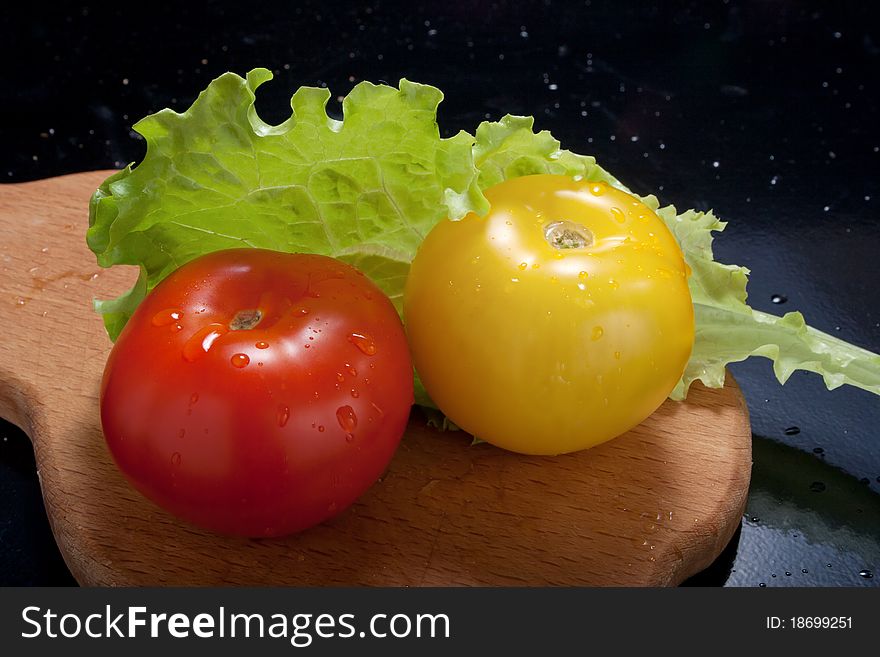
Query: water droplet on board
{"x":778,"y":298}
{"x":363,"y":342}
{"x":240,"y":360}
{"x":817,"y":487}
{"x":283,"y":415}
{"x":792,"y":431}
{"x":347,"y":419}
{"x":167,"y":316}
{"x":866,"y":574}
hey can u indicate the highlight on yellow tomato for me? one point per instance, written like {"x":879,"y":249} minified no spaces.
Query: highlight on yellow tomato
{"x":558,"y":321}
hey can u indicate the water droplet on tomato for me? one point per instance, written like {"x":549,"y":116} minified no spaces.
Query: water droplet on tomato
{"x":347,"y":419}
{"x":200,"y":342}
{"x":597,"y":333}
{"x":363,"y":342}
{"x":597,"y":189}
{"x":523,"y":265}
{"x":283,"y":415}
{"x":613,"y":284}
{"x":262,"y":345}
{"x":583,"y":275}
{"x":340,"y":377}
{"x":175,"y":458}
{"x":618,"y":215}
{"x":181,"y":433}
{"x":193,"y":398}
{"x":167,"y":316}
{"x":351,"y":369}
{"x":178,"y":327}
{"x":355,"y":393}
{"x":378,"y":410}
{"x":616,"y":355}
{"x":582,"y":287}
{"x":240,"y":360}
{"x":321,"y":428}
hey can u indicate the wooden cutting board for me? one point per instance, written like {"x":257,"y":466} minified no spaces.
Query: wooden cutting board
{"x":649,"y":508}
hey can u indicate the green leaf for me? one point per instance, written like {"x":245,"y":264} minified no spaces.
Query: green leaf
{"x":366,"y":189}
{"x":729,"y":331}
{"x":509,"y":148}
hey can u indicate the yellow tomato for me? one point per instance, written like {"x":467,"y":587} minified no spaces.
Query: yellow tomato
{"x":556,"y":322}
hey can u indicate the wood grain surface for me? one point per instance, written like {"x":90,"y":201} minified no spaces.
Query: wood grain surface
{"x":649,"y":508}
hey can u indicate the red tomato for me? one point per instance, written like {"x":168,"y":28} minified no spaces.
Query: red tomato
{"x":258,"y":393}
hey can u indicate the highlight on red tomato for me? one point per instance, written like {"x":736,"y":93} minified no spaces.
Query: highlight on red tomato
{"x":258,"y":393}
{"x":556,"y":322}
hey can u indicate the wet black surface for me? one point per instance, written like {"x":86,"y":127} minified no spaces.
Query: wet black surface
{"x":765,"y":111}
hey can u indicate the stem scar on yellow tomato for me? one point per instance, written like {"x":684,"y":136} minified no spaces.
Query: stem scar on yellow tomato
{"x":559,"y":320}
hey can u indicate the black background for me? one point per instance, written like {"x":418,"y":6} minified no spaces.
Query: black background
{"x":765,"y":111}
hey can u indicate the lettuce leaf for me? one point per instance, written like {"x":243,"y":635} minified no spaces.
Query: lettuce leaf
{"x":728,"y":330}
{"x":367,"y":190}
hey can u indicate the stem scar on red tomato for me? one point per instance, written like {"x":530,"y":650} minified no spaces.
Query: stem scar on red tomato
{"x":258,"y":393}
